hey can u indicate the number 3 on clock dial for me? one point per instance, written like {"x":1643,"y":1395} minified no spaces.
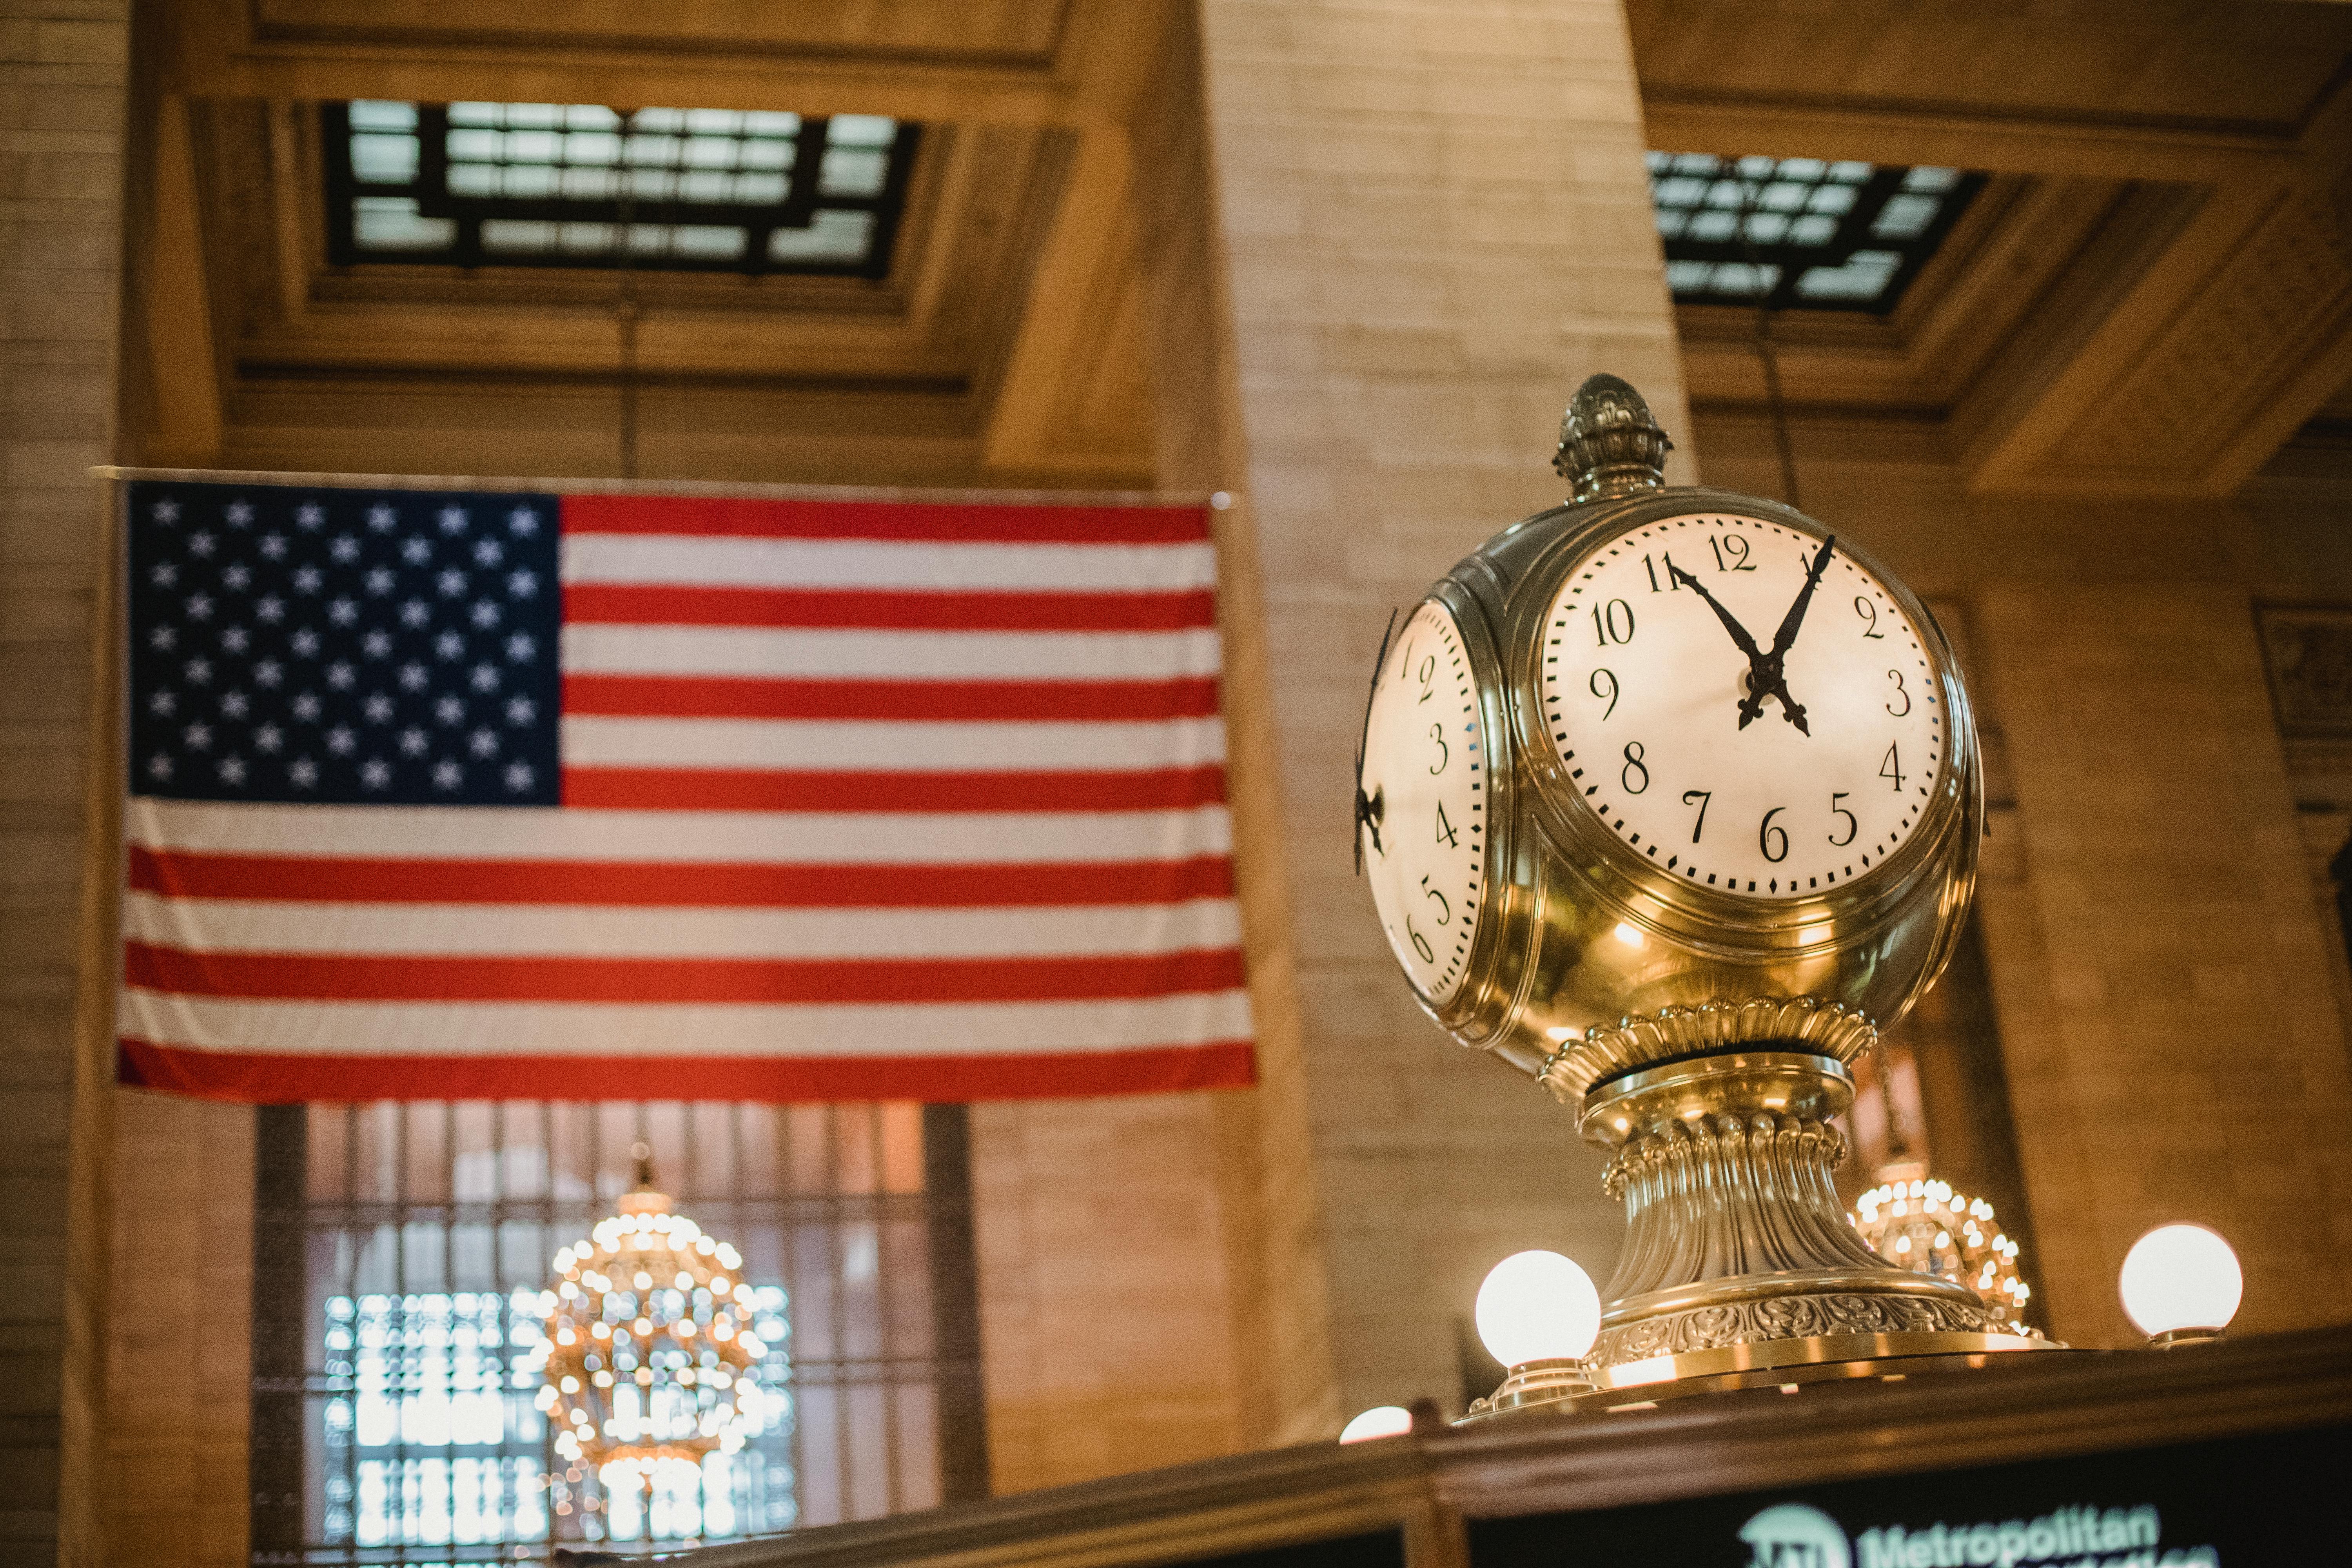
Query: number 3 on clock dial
{"x":1643,"y":686}
{"x":1425,"y":766}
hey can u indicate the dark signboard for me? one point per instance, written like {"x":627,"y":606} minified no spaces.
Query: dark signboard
{"x":2246,"y":1502}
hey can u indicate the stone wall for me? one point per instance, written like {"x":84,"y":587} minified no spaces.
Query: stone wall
{"x":2174,"y":1043}
{"x":61,"y":108}
{"x":1435,"y":222}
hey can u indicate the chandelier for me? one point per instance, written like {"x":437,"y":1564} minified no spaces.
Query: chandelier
{"x":1924,"y":1225}
{"x":651,"y":1362}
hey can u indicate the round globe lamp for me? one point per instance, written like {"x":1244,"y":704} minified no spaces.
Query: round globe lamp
{"x":2181,"y":1284}
{"x":1380,"y":1421}
{"x":1537,"y":1315}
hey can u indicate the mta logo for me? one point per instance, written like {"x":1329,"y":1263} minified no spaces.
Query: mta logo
{"x":1790,"y":1535}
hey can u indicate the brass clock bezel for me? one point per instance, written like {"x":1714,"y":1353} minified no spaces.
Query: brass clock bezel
{"x":1562,"y":808}
{"x":1557,"y":881}
{"x":1495,"y":740}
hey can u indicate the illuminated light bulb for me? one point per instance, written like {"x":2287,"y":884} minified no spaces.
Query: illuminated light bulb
{"x":684,"y":1281}
{"x":1380,"y":1421}
{"x":2181,"y":1279}
{"x":644,"y":1280}
{"x":1627,"y":934}
{"x":1537,"y":1306}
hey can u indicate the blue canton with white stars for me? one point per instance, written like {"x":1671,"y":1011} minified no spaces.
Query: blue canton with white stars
{"x":349,"y":646}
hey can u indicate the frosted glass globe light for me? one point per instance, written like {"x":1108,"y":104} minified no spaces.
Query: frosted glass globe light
{"x":1380,"y":1421}
{"x":1537,"y":1306}
{"x":2181,"y":1276}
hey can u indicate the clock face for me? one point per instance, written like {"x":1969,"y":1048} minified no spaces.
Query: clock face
{"x":1421,"y":807}
{"x":1732,"y":727}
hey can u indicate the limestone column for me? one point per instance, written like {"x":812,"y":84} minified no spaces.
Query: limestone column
{"x":61,"y":167}
{"x":1433,"y":221}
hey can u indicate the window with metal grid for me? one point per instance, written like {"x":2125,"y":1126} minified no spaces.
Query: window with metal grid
{"x":401,"y":1251}
{"x":578,"y":185}
{"x":1806,"y":233}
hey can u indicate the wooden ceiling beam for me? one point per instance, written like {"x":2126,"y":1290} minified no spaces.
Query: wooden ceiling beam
{"x":433,"y":51}
{"x":1684,"y":121}
{"x":180,"y":339}
{"x":1047,"y":414}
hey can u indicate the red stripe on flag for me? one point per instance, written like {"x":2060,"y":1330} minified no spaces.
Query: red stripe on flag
{"x":250,"y":1078}
{"x":628,"y":604}
{"x":370,"y":977}
{"x":968,"y":523}
{"x":749,"y":789}
{"x":887,"y":702}
{"x":184,"y":874}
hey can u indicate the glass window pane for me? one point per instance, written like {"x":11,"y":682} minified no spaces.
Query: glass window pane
{"x":393,"y":222}
{"x":425,"y":1346}
{"x":379,"y":114}
{"x":861,"y":131}
{"x":852,"y":172}
{"x":587,"y":169}
{"x":1761,"y":229}
{"x":383,"y":160}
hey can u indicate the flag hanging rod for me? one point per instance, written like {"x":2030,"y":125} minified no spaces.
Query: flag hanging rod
{"x":663,"y":487}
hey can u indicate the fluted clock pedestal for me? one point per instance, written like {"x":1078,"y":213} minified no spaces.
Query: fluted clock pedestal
{"x":1739,"y":1263}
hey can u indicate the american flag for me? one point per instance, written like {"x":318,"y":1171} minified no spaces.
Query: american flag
{"x":449,"y":795}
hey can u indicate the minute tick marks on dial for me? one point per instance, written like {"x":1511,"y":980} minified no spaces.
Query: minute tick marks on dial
{"x":1421,"y":800}
{"x":1738,"y":803}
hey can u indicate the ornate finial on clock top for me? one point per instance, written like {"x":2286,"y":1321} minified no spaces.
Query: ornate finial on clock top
{"x":1608,"y":444}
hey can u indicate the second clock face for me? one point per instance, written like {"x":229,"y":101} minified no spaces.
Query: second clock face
{"x":1421,"y":811}
{"x":1732,"y":726}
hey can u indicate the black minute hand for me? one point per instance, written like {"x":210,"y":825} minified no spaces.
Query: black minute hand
{"x":1796,"y":615}
{"x":1771,"y":673}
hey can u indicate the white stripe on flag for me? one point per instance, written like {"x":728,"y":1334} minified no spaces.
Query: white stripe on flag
{"x":807,"y":655}
{"x":707,"y":837}
{"x":592,"y":741}
{"x":924,"y":565}
{"x":231,"y":925}
{"x":546,"y":1028}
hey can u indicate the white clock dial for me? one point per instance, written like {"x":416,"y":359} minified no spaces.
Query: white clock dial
{"x":1662,"y":641}
{"x":1421,"y":808}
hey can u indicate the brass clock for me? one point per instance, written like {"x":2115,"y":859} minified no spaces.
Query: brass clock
{"x":1671,"y":797}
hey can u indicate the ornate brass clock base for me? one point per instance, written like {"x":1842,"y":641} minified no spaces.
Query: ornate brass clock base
{"x":1740,"y":1269}
{"x":1736,"y":1239}
{"x":1785,"y":1365}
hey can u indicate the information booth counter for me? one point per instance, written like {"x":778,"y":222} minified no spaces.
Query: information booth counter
{"x":2237,"y":1453}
